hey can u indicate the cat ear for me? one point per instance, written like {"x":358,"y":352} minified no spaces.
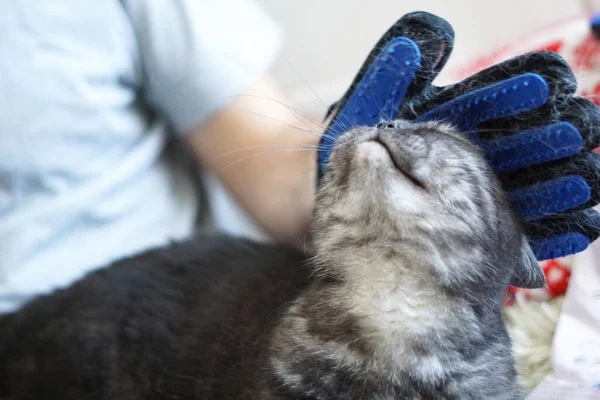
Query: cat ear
{"x":528,"y":273}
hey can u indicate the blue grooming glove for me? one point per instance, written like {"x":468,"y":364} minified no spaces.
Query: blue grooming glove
{"x":537,"y":135}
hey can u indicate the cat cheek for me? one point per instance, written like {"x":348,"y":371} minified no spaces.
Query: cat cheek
{"x":423,"y":172}
{"x":403,"y":198}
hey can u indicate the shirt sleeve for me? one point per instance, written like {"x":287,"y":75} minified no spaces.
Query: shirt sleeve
{"x":197,"y":55}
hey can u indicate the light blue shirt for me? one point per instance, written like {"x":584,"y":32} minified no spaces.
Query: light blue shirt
{"x":86,"y":90}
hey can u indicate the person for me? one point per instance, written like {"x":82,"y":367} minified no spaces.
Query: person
{"x":96,"y":94}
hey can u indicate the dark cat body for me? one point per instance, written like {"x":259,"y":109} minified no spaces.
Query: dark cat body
{"x":190,"y":321}
{"x":398,"y":298}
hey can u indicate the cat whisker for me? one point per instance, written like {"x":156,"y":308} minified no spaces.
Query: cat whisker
{"x":307,"y":129}
{"x":265,"y":153}
{"x":320,"y":101}
{"x":266,"y":146}
{"x":290,"y":108}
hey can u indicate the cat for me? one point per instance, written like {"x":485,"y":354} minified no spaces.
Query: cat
{"x":398,"y":297}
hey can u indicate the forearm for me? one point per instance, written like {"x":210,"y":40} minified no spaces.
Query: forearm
{"x":266,"y":155}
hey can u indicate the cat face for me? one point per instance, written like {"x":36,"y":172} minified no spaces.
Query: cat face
{"x":422,"y":191}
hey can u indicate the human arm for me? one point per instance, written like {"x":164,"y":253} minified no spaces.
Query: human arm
{"x":265,"y":153}
{"x":203,"y":66}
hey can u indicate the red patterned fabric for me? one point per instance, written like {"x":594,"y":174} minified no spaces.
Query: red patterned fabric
{"x":557,"y":274}
{"x":572,"y":39}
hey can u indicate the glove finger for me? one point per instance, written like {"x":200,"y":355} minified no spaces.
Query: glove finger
{"x":368,"y":105}
{"x":546,"y":198}
{"x":580,"y":112}
{"x":548,"y":66}
{"x":394,"y":69}
{"x":565,"y":185}
{"x":389,"y":72}
{"x":534,"y":146}
{"x":435,"y":38}
{"x":576,"y":128}
{"x":508,"y":97}
{"x":583,"y":114}
{"x":563,"y":234}
{"x":432,"y":35}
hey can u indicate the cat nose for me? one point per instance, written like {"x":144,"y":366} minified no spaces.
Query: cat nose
{"x":386,"y":124}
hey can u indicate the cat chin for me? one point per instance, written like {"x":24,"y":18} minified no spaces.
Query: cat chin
{"x":373,"y":155}
{"x":375,"y":179}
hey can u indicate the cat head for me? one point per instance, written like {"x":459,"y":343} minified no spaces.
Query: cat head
{"x":422,"y":194}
